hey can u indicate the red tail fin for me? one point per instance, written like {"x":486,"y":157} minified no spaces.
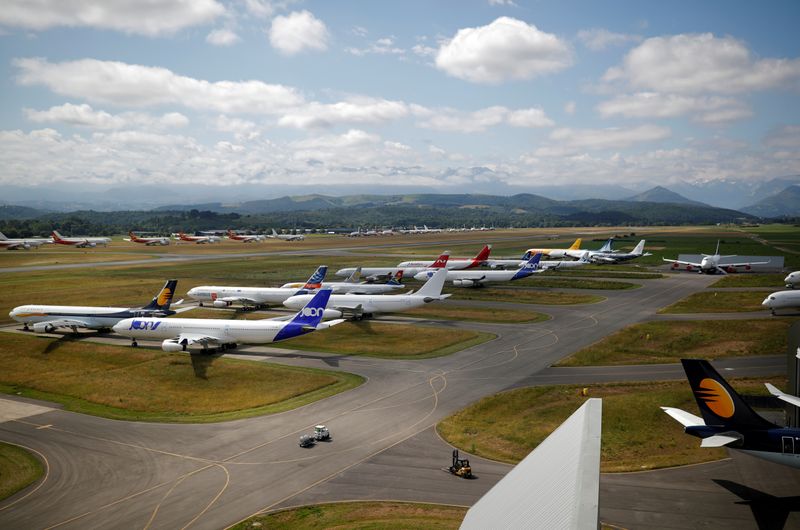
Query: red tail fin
{"x":483,"y":255}
{"x":441,"y":261}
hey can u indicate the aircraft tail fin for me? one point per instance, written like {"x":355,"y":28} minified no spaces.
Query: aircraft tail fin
{"x":56,"y":236}
{"x":397,"y":279}
{"x":315,"y":281}
{"x":354,"y":276}
{"x":716,"y":252}
{"x":527,"y":255}
{"x":639,"y":248}
{"x":311,"y":313}
{"x":164,"y":297}
{"x":576,"y":245}
{"x":607,"y":245}
{"x":483,"y":255}
{"x":529,"y":267}
{"x":719,"y":403}
{"x":3,"y":237}
{"x":433,"y":287}
{"x":441,"y":261}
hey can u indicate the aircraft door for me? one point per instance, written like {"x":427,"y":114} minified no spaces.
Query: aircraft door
{"x":788,"y":445}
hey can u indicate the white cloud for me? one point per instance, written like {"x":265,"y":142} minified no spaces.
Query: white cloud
{"x":85,"y":116}
{"x":784,"y":137}
{"x":142,"y":86}
{"x":259,"y":8}
{"x":505,"y":49}
{"x":453,"y":120}
{"x":599,"y":39}
{"x":566,"y":140}
{"x":502,"y":3}
{"x":354,"y":110}
{"x":706,"y":109}
{"x":424,"y":51}
{"x":297,"y":32}
{"x":701,"y":63}
{"x":570,"y":107}
{"x":222,"y":37}
{"x":383,"y":46}
{"x":151,"y":18}
{"x":242,"y":129}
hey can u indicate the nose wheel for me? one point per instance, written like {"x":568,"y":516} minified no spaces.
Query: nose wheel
{"x":134,"y":344}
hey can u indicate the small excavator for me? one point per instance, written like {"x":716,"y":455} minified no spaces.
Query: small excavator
{"x":460,"y":467}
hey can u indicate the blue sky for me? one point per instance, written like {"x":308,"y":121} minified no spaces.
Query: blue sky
{"x":448,"y":96}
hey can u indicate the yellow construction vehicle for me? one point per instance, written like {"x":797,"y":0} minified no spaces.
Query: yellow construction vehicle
{"x":460,"y":467}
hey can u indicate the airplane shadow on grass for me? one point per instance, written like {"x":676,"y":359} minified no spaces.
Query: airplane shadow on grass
{"x":53,"y":345}
{"x":201,"y":363}
{"x":770,"y":512}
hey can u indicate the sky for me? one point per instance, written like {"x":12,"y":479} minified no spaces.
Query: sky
{"x":451,"y":96}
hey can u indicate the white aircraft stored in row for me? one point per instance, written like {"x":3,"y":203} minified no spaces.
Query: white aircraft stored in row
{"x":200,"y":240}
{"x":353,"y":286}
{"x":180,"y":334}
{"x":149,"y":241}
{"x":47,"y":318}
{"x":792,"y":279}
{"x":258,"y":297}
{"x":782,"y":300}
{"x":544,"y":264}
{"x":80,"y":242}
{"x":479,"y":278}
{"x":710,"y":264}
{"x":233,"y":236}
{"x":22,"y":243}
{"x":359,"y":306}
{"x":618,"y":257}
{"x":377,"y":273}
{"x":286,"y":237}
{"x":452,"y":263}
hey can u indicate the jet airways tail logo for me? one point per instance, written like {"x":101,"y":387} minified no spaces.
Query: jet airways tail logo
{"x":144,"y":325}
{"x":164,"y":296}
{"x":716,"y":398}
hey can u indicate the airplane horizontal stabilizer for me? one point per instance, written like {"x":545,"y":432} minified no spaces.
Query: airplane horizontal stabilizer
{"x":687,"y":419}
{"x":720,"y":440}
{"x":330,"y":323}
{"x":788,"y":398}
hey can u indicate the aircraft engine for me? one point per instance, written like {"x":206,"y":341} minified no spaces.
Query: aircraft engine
{"x":747,"y":267}
{"x":730,"y":269}
{"x":43,"y":327}
{"x":689,"y":268}
{"x":172,"y":345}
{"x":675,"y":265}
{"x":332,"y":313}
{"x":220,"y":303}
{"x":464,"y":283}
{"x":91,"y":244}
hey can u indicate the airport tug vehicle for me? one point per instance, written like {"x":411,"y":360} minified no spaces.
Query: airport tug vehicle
{"x":460,"y":467}
{"x":321,"y":433}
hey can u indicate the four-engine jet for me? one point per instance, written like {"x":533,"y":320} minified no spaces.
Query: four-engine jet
{"x":233,"y":236}
{"x":618,"y":257}
{"x":149,"y":241}
{"x":478,"y":278}
{"x":46,"y":318}
{"x":728,"y":421}
{"x":286,"y":237}
{"x":22,"y":243}
{"x":710,"y":264}
{"x":180,"y":334}
{"x":198,"y":239}
{"x":80,"y":242}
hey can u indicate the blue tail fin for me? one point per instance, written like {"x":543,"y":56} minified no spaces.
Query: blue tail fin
{"x":164,"y":297}
{"x":307,"y":319}
{"x":315,"y":281}
{"x":529,"y":267}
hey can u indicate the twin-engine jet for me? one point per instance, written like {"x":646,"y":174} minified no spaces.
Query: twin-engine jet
{"x":233,"y":236}
{"x":149,"y":241}
{"x":47,"y":318}
{"x":359,"y":306}
{"x":557,"y":253}
{"x":710,"y":264}
{"x":180,"y":334}
{"x":286,"y":237}
{"x":352,"y":285}
{"x":479,"y":278}
{"x":22,"y":243}
{"x":782,"y":300}
{"x":613,"y":257}
{"x":80,"y":242}
{"x":728,"y":421}
{"x":200,"y":240}
{"x":258,"y":297}
{"x":412,"y":268}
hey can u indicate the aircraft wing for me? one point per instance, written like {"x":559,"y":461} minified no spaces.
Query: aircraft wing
{"x":720,"y":440}
{"x":783,"y":396}
{"x":65,"y":323}
{"x":681,"y":262}
{"x":687,"y":419}
{"x":198,"y":338}
{"x":743,"y":264}
{"x":240,"y":299}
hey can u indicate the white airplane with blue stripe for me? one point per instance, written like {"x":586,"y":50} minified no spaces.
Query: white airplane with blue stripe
{"x":478,"y":278}
{"x":180,"y":334}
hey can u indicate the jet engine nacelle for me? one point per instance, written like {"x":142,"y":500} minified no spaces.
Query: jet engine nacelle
{"x":747,"y":267}
{"x":675,"y":265}
{"x":730,"y":269}
{"x":172,"y":345}
{"x":43,"y":327}
{"x":331,"y":313}
{"x":464,"y":283}
{"x":689,"y":268}
{"x":220,"y":303}
{"x":91,"y":244}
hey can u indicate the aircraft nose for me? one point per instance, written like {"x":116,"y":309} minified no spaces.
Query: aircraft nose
{"x":765,"y":303}
{"x":120,"y":326}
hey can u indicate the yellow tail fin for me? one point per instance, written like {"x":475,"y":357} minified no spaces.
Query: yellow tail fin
{"x":576,"y":245}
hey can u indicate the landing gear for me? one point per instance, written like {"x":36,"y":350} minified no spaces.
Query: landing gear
{"x":25,"y":327}
{"x":134,"y":344}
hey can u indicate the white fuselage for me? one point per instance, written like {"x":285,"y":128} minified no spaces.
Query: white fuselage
{"x":379,"y":303}
{"x":350,"y":287}
{"x":792,"y":279}
{"x":477,"y":276}
{"x":782,"y":300}
{"x":381,"y":271}
{"x":92,"y":317}
{"x":452,"y":264}
{"x":545,"y":264}
{"x":258,"y":295}
{"x":238,"y":331}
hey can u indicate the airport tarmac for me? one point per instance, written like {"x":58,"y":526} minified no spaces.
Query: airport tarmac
{"x":133,"y":474}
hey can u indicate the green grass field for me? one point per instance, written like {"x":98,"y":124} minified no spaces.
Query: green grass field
{"x":667,"y":342}
{"x":719,"y":302}
{"x":523,"y":296}
{"x":750,"y":280}
{"x":389,"y":341}
{"x":363,"y":515}
{"x":452,"y":311}
{"x":637,"y":434}
{"x":18,"y":469}
{"x":151,"y":385}
{"x":581,"y":283}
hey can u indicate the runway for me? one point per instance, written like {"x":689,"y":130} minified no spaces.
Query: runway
{"x":128,"y":474}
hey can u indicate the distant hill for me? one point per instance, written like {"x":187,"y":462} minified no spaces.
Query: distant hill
{"x":9,"y":211}
{"x":785,"y":203}
{"x":662,"y":194}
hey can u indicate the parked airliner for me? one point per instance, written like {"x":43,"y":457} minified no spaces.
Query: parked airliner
{"x":556,"y":253}
{"x":257,"y":297}
{"x":80,"y":242}
{"x":452,"y":263}
{"x":618,"y":257}
{"x":782,"y":300}
{"x":352,"y":285}
{"x":376,"y":273}
{"x":359,"y":306}
{"x":22,"y":243}
{"x":479,"y":278}
{"x":198,"y":239}
{"x":792,"y":279}
{"x":46,"y":318}
{"x":286,"y":237}
{"x":180,"y":334}
{"x":233,"y":236}
{"x":149,"y":241}
{"x":729,"y":421}
{"x":710,"y":264}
